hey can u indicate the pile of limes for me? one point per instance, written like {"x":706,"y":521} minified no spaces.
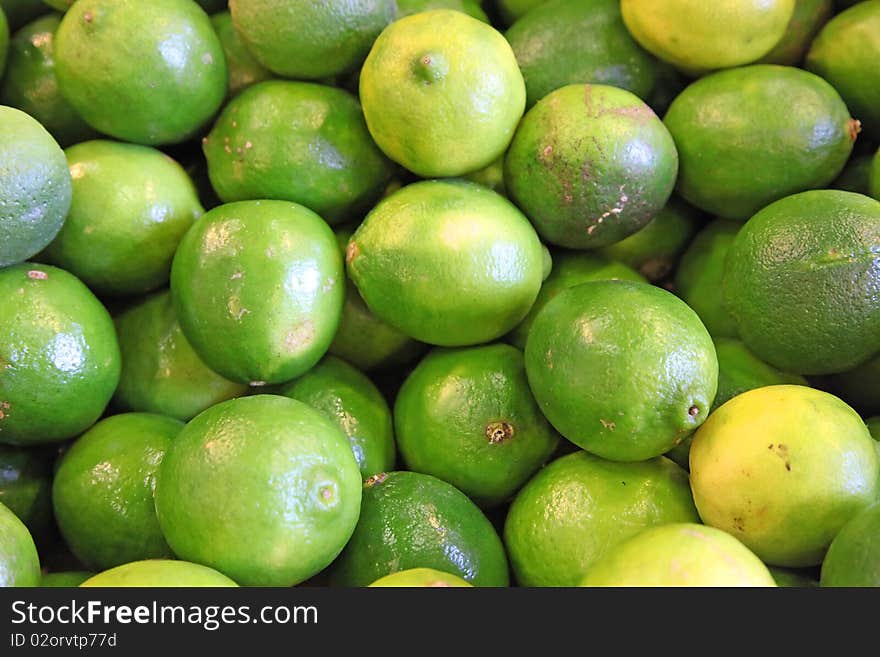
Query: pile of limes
{"x":439,"y":293}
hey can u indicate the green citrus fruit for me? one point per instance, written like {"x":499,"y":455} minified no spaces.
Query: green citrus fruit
{"x":60,"y":5}
{"x":348,"y":398}
{"x":590,"y":165}
{"x":873,"y":424}
{"x":4,"y":41}
{"x":19,"y":563}
{"x":624,"y":370}
{"x":854,"y":556}
{"x":276,"y":285}
{"x":421,"y":578}
{"x":449,"y":263}
{"x":65,"y":579}
{"x":159,"y":573}
{"x":808,"y":18}
{"x":146,"y":72}
{"x":783,"y":468}
{"x":412,"y":520}
{"x":856,"y":176}
{"x":265,"y":489}
{"x":469,"y":7}
{"x":571,"y":512}
{"x":793,"y":578}
{"x":860,"y":386}
{"x":59,"y":358}
{"x":752,"y":135}
{"x":511,"y":10}
{"x":26,"y":487}
{"x":799,"y":280}
{"x":875,"y":176}
{"x":19,"y":12}
{"x":442,"y":93}
{"x":491,"y":176}
{"x":467,"y":416}
{"x":244,"y":69}
{"x":680,"y":554}
{"x":300,"y":142}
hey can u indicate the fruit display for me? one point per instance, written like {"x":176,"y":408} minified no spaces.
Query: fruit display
{"x":439,"y":293}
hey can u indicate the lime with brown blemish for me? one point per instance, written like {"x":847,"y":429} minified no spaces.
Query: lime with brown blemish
{"x":258,"y":289}
{"x":590,"y":165}
{"x":19,"y":562}
{"x":59,"y":357}
{"x":467,"y":416}
{"x":26,"y":487}
{"x":853,"y":559}
{"x":783,"y":469}
{"x":569,"y":514}
{"x":244,"y":69}
{"x":421,"y":578}
{"x":624,"y":370}
{"x":159,"y":573}
{"x":65,"y":579}
{"x":808,"y":18}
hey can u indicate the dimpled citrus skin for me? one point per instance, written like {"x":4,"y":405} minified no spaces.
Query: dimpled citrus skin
{"x":150,"y":73}
{"x":159,"y":573}
{"x":698,"y":35}
{"x":624,"y":370}
{"x":808,"y":18}
{"x":19,"y":562}
{"x":421,"y":577}
{"x":752,"y":135}
{"x":470,"y":7}
{"x":449,"y":263}
{"x":590,"y":165}
{"x":442,"y":93}
{"x":60,"y":354}
{"x":580,"y":506}
{"x":131,"y":206}
{"x":412,"y":520}
{"x":103,"y":490}
{"x":160,"y":371}
{"x":244,"y":69}
{"x":348,"y":398}
{"x":679,"y":554}
{"x":802,"y":281}
{"x":266,"y":277}
{"x":34,"y":188}
{"x":853,"y":559}
{"x":265,"y":489}
{"x":300,"y":142}
{"x":570,"y":41}
{"x":782,"y":469}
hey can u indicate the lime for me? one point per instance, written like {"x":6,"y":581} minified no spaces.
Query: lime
{"x":873,"y":424}
{"x":875,"y":176}
{"x":491,"y":176}
{"x":470,"y":7}
{"x":66,"y":579}
{"x":854,"y":556}
{"x":856,"y":176}
{"x":860,"y":386}
{"x":19,"y":12}
{"x":793,"y":578}
{"x":26,"y":488}
{"x":159,"y":573}
{"x":808,"y":18}
{"x":421,"y":578}
{"x":244,"y":69}
{"x":4,"y":41}
{"x":19,"y":563}
{"x":511,"y":10}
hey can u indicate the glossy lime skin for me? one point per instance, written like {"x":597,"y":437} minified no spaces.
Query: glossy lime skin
{"x":161,"y":373}
{"x":782,"y":469}
{"x":802,"y":282}
{"x":131,"y":207}
{"x":244,"y":69}
{"x":860,"y":386}
{"x":570,"y":513}
{"x":845,"y":53}
{"x":624,"y":370}
{"x":150,"y":73}
{"x":265,"y":489}
{"x":808,"y":18}
{"x":60,"y":356}
{"x":67,"y":579}
{"x":300,"y":142}
{"x":35,"y":187}
{"x":467,"y":416}
{"x":575,"y":41}
{"x":853,"y":559}
{"x":310,"y":40}
{"x":442,"y":93}
{"x":348,"y":398}
{"x":26,"y":487}
{"x":470,"y":7}
{"x":590,"y":165}
{"x":412,"y":520}
{"x":752,"y":135}
{"x":420,"y":578}
{"x":19,"y":562}
{"x":265,"y":277}
{"x":159,"y":573}
{"x":103,"y":490}
{"x":450,"y":263}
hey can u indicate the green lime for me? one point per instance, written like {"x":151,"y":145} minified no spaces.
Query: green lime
{"x":491,"y":176}
{"x":19,"y":12}
{"x":147,"y":72}
{"x":26,"y":488}
{"x":469,"y":7}
{"x":300,"y":142}
{"x":624,"y":370}
{"x":449,"y":263}
{"x":860,"y":386}
{"x":19,"y":563}
{"x":511,"y":10}
{"x":793,"y":578}
{"x":695,"y":35}
{"x":412,"y":520}
{"x":750,"y":136}
{"x":875,"y":176}
{"x":797,"y":282}
{"x":348,"y":398}
{"x":131,"y":206}
{"x":845,"y":53}
{"x":856,"y":176}
{"x":590,"y":165}
{"x":579,"y":41}
{"x":679,"y":554}
{"x":34,"y":188}
{"x":60,"y":5}
{"x":421,"y":578}
{"x":276,"y":285}
{"x":873,"y":424}
{"x":782,"y":469}
{"x":159,"y":573}
{"x":854,"y":556}
{"x":244,"y":69}
{"x":66,"y":579}
{"x":103,"y":490}
{"x":160,"y":371}
{"x":442,"y":93}
{"x":59,"y":356}
{"x":264,"y":489}
{"x":467,"y":416}
{"x":4,"y":41}
{"x":310,"y":40}
{"x":572,"y":512}
{"x":808,"y":18}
